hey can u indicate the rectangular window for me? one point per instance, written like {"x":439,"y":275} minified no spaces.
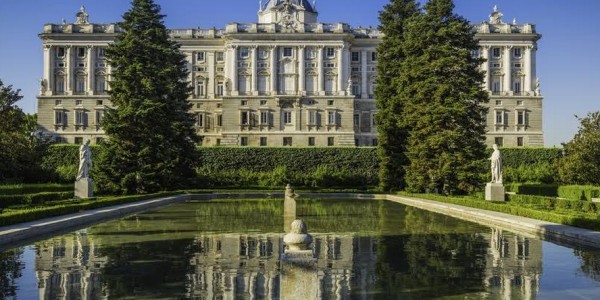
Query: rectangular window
{"x":264,"y":117}
{"x":219,"y":56}
{"x":311,"y":141}
{"x":498,"y":102}
{"x":78,"y":102}
{"x":99,"y":117}
{"x":499,"y":141}
{"x":200,"y":88}
{"x":244,"y":52}
{"x":330,"y":52}
{"x":60,"y":117}
{"x":356,"y":120}
{"x":99,"y":102}
{"x":373,"y":56}
{"x":330,"y":141}
{"x":79,"y":84}
{"x":287,"y":117}
{"x":520,"y":141}
{"x":244,"y":141}
{"x":499,"y":118}
{"x":101,"y":52}
{"x":263,"y":102}
{"x":80,"y":52}
{"x":496,"y":52}
{"x":263,"y":141}
{"x":78,"y":140}
{"x":244,"y":102}
{"x":312,"y":117}
{"x":245,"y":118}
{"x":287,"y":141}
{"x":200,"y":120}
{"x":355,"y":56}
{"x":331,"y":118}
{"x":519,"y":102}
{"x":517,"y":65}
{"x":219,"y":120}
{"x":200,"y":56}
{"x":517,"y":52}
{"x":517,"y":87}
{"x":220,"y":88}
{"x":374,"y":142}
{"x":496,"y":87}
{"x":330,"y":65}
{"x":522,"y":118}
{"x":330,"y":102}
{"x":355,"y":89}
{"x":80,"y":117}
{"x":60,"y":52}
{"x":287,"y":52}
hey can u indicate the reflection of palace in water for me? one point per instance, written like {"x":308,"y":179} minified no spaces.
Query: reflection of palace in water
{"x":514,"y":265}
{"x":234,"y":266}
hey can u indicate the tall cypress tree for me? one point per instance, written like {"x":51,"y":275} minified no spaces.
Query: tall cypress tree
{"x":442,"y":89}
{"x":392,"y":133}
{"x":151,"y":136}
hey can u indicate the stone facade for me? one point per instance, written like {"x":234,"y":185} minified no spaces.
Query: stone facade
{"x":284,"y":81}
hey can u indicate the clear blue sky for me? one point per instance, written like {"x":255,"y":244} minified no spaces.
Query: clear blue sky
{"x":568,"y":62}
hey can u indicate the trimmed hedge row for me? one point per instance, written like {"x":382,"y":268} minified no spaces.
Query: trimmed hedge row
{"x":572,"y":192}
{"x":550,"y":190}
{"x":20,"y":189}
{"x":579,"y":192}
{"x":33,"y":199}
{"x":550,"y":203}
{"x":582,"y":220}
{"x":528,"y":156}
{"x":36,"y":213}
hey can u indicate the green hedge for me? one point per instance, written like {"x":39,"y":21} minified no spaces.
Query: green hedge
{"x":9,"y":217}
{"x":579,"y":192}
{"x":357,"y":163}
{"x":550,"y":190}
{"x":549,"y":203}
{"x":579,"y":219}
{"x":33,"y":199}
{"x":20,"y":189}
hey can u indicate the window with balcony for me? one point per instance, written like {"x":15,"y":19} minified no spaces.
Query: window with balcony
{"x":522,"y":118}
{"x":60,"y":117}
{"x":81,"y":117}
{"x":331,"y":118}
{"x":220,"y":89}
{"x":245,"y":118}
{"x":287,"y":117}
{"x":200,"y":90}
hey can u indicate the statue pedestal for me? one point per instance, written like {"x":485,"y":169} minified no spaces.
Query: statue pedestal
{"x":84,"y":188}
{"x":494,"y":192}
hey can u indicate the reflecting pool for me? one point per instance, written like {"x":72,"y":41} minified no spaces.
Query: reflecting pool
{"x":230,"y":249}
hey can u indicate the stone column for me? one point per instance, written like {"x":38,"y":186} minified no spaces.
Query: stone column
{"x":48,"y":67}
{"x":363,"y":71}
{"x":189,"y":63}
{"x":210,"y":85}
{"x":274,"y":75}
{"x":321,"y":74}
{"x":340,"y":67}
{"x":301,"y":71}
{"x":69,"y":74}
{"x":507,"y":69}
{"x":254,"y":80}
{"x":346,"y":67}
{"x":485,"y":66}
{"x":91,"y":69}
{"x":234,"y":74}
{"x":528,"y":76}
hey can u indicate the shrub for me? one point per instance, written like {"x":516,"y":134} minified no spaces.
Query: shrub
{"x":549,"y":190}
{"x":579,"y":192}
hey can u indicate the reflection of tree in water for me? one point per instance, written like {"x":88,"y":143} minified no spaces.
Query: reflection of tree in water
{"x":590,"y":263}
{"x":152,"y":270}
{"x":429,"y":263}
{"x":10,"y":270}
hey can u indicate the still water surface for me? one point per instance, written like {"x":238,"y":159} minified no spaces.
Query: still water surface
{"x":230,"y":249}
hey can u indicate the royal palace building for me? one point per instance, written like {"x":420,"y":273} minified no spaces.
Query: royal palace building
{"x":286,"y":80}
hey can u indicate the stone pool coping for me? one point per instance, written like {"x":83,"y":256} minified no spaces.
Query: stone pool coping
{"x":19,"y":234}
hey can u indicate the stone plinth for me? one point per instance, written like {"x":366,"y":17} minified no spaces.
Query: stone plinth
{"x":299,"y":276}
{"x":84,"y":188}
{"x":494,"y":192}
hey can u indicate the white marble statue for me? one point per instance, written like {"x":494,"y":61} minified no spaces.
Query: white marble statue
{"x":349,"y":87}
{"x":85,"y":160}
{"x":538,"y":92}
{"x":496,"y":165}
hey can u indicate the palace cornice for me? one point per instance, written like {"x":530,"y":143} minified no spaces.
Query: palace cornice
{"x":508,"y":37}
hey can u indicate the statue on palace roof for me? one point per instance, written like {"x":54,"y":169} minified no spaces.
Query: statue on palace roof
{"x":82,"y":16}
{"x":496,"y":16}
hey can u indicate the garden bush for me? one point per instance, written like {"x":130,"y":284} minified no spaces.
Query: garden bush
{"x":34,"y":199}
{"x":549,"y":190}
{"x":579,"y":192}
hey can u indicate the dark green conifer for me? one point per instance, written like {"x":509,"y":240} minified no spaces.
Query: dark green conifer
{"x":392,"y":134}
{"x":442,"y":92}
{"x":151,"y":136}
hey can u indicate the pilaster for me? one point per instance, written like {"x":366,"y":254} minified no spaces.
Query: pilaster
{"x":528,"y":70}
{"x":210,"y":85}
{"x":69,"y":74}
{"x":189,"y":62}
{"x":485,"y":66}
{"x":363,"y":73}
{"x":301,"y":71}
{"x":48,"y":67}
{"x":91,"y":68}
{"x":321,"y":77}
{"x":340,"y":71}
{"x":254,"y":80}
{"x":507,"y":70}
{"x":274,"y":74}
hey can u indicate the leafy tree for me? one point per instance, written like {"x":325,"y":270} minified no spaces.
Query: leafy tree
{"x":581,"y":163}
{"x":19,"y":150}
{"x":151,"y":138}
{"x":392,"y":134}
{"x":441,"y":88}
